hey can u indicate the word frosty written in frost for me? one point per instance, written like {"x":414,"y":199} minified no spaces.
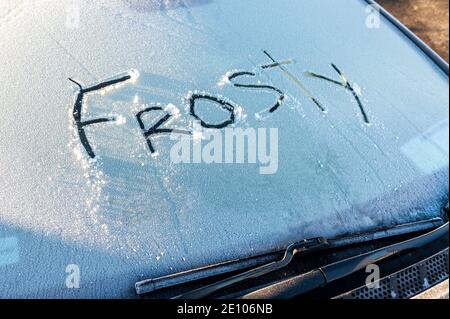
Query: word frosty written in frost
{"x":171,"y":112}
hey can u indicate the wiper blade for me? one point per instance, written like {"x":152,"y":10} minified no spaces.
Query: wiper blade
{"x":322,"y":276}
{"x":291,"y":251}
{"x":152,"y":285}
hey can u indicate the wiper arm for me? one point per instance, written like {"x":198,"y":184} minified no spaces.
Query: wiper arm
{"x":291,"y":251}
{"x":183,"y":278}
{"x":320,"y":277}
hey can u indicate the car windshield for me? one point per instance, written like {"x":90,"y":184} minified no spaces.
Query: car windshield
{"x":196,"y":132}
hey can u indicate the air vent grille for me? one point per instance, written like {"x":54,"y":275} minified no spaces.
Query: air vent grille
{"x":408,"y":282}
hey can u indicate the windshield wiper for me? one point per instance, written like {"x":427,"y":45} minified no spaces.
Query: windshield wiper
{"x":320,"y":277}
{"x":272,"y":261}
{"x":291,"y":251}
{"x":303,"y":246}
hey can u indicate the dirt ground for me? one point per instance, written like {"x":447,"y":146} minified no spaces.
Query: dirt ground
{"x":429,"y":19}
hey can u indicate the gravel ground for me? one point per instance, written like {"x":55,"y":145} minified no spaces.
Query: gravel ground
{"x":429,"y":19}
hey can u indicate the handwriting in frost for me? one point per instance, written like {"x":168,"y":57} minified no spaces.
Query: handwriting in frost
{"x":78,"y":107}
{"x":346,"y":85}
{"x":161,"y":128}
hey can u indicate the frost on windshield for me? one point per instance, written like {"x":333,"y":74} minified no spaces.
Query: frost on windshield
{"x":117,"y":127}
